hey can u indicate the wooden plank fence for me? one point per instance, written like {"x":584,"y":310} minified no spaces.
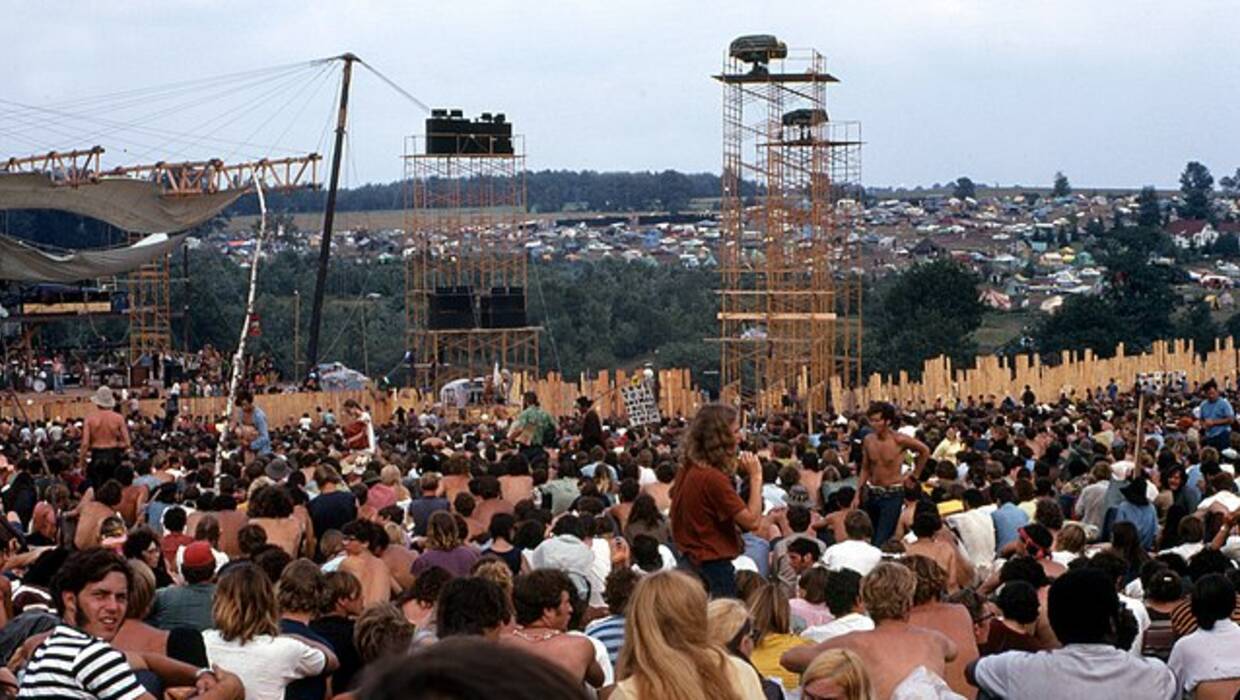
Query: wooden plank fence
{"x":678,"y":397}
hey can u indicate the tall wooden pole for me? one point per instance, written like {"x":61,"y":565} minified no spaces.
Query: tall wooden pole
{"x":329,"y":216}
{"x":297,"y":334}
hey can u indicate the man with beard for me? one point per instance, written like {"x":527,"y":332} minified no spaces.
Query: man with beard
{"x":76,"y":660}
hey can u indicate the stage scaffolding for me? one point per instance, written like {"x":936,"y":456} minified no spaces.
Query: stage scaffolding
{"x":790,"y":287}
{"x":464,"y":215}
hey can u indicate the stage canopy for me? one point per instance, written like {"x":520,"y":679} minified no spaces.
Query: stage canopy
{"x":20,"y":262}
{"x":139,"y":206}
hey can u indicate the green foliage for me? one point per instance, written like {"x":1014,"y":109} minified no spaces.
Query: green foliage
{"x":1061,"y":187}
{"x":928,"y":310}
{"x":1232,"y":325}
{"x":611,"y":314}
{"x":1197,"y":186}
{"x":1148,"y":213}
{"x":1135,"y":309}
{"x":1230,"y":185}
{"x":1227,"y":246}
{"x":1198,"y":325}
{"x":546,"y":191}
{"x":963,"y":187}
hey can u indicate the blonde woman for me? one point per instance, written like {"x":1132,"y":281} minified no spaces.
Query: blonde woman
{"x":836,"y":674}
{"x":247,"y":641}
{"x":730,"y":626}
{"x":771,"y":615}
{"x":667,"y":649}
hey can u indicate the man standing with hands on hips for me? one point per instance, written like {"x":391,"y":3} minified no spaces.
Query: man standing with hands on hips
{"x":882,"y":454}
{"x":706,"y":510}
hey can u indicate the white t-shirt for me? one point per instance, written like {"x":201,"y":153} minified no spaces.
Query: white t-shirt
{"x":1207,"y":655}
{"x":265,"y":664}
{"x":1075,"y":672}
{"x":852,"y":622}
{"x":859,"y":556}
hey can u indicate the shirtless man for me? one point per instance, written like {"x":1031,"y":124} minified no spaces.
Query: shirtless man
{"x":895,"y":648}
{"x":105,"y":438}
{"x":953,"y":620}
{"x":543,"y":604}
{"x":271,"y":508}
{"x":374,"y":575}
{"x":937,"y":543}
{"x":880,"y":481}
{"x":661,"y":490}
{"x":91,"y":514}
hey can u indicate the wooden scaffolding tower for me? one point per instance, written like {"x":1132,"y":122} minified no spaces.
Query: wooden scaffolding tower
{"x":790,"y":291}
{"x":464,"y":216}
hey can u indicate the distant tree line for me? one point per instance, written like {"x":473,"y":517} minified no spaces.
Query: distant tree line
{"x":547,"y":191}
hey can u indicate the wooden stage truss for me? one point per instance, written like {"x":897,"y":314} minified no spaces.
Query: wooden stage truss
{"x":790,"y":293}
{"x":463,"y":218}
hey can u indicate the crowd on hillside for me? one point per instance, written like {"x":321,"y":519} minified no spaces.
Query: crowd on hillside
{"x":1012,"y":547}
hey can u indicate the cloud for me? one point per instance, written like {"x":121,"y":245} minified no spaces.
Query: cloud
{"x":1112,"y":93}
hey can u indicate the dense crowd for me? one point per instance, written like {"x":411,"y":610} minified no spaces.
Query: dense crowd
{"x":1077,"y":547}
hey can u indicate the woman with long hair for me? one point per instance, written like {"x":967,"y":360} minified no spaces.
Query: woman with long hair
{"x":706,"y":510}
{"x":246,"y":639}
{"x":645,"y":519}
{"x":1126,"y":542}
{"x":731,"y":627}
{"x":444,"y":547}
{"x":772,"y":621}
{"x":668,"y":652}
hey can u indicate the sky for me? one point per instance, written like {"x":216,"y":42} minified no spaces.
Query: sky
{"x":1113,"y":93}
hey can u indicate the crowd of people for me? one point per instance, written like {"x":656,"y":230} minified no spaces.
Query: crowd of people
{"x":1082,"y":547}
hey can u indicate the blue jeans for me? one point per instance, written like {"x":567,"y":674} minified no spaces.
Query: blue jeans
{"x":719,"y":575}
{"x":884,"y":511}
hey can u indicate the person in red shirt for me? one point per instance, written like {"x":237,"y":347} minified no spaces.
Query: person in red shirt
{"x":706,"y":510}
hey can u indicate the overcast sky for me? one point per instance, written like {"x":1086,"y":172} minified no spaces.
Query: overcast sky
{"x":1114,"y":93}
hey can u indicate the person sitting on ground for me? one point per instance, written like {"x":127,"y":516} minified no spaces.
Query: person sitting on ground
{"x":769,"y":610}
{"x":378,"y":585}
{"x":1085,"y":614}
{"x":856,"y":552}
{"x":472,"y":605}
{"x":445,"y":548}
{"x":1016,"y":628}
{"x":188,"y":605}
{"x":900,"y":657}
{"x":543,"y":603}
{"x":836,"y":674}
{"x":1211,"y":653}
{"x":382,"y":632}
{"x":809,"y":608}
{"x":300,"y":593}
{"x":931,"y":611}
{"x":246,"y":638}
{"x":843,"y":596}
{"x":668,"y":652}
{"x":342,"y":603}
{"x":470,"y":667}
{"x":610,"y":629}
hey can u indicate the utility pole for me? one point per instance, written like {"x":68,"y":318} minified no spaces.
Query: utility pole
{"x":365,"y":354}
{"x":297,"y":335}
{"x":329,"y":214}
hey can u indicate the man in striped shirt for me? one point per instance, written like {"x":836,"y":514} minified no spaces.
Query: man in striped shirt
{"x":75,"y":660}
{"x":610,"y":630}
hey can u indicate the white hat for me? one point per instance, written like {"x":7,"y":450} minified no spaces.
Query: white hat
{"x":103,"y":398}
